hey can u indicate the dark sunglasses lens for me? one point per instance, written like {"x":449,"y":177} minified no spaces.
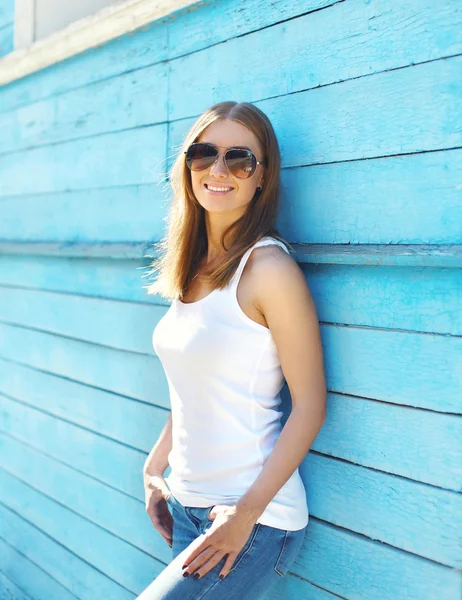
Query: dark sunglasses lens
{"x":241,"y":163}
{"x":200,"y":156}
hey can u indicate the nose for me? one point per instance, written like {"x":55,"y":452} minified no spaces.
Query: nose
{"x":219,"y":169}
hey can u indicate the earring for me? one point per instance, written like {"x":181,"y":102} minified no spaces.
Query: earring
{"x":259,"y":188}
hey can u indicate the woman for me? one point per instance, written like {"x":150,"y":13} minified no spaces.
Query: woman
{"x":241,"y":318}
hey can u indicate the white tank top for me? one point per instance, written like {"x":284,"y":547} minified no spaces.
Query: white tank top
{"x":224,"y":378}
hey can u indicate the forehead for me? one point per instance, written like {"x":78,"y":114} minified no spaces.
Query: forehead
{"x":227,"y":133}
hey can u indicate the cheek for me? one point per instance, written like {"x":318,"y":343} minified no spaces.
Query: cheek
{"x":195,"y":183}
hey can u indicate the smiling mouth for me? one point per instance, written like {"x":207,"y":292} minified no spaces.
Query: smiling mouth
{"x":218,"y":189}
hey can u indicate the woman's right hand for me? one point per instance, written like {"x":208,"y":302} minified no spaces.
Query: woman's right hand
{"x":156,"y":494}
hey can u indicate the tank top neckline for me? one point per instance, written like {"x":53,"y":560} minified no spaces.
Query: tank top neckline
{"x":233,"y":278}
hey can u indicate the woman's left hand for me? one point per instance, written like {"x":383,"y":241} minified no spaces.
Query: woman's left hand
{"x":228,"y":534}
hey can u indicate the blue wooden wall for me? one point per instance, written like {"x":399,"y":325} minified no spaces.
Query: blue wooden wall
{"x":6,"y":26}
{"x":365,"y":97}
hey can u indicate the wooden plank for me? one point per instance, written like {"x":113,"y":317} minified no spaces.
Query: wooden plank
{"x":373,"y":434}
{"x":86,"y":111}
{"x":343,"y":203}
{"x":110,"y":462}
{"x":80,"y":578}
{"x":356,"y":567}
{"x":122,"y":562}
{"x":111,"y":214}
{"x":141,"y":377}
{"x":10,"y":591}
{"x":400,"y":367}
{"x":119,"y":325}
{"x":106,"y":160}
{"x":389,"y":438}
{"x":35,"y":582}
{"x":405,"y":514}
{"x":84,"y":495}
{"x":135,"y":424}
{"x":336,"y":204}
{"x":408,"y":515}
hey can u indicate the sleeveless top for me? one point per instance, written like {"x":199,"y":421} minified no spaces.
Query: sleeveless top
{"x":224,"y":378}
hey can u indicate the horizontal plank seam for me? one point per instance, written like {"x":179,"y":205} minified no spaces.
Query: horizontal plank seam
{"x":38,"y":566}
{"x":64,"y":336}
{"x":340,"y":81}
{"x":141,"y":303}
{"x":395,"y":404}
{"x":66,"y":464}
{"x":333,"y":457}
{"x":378,"y":542}
{"x":66,"y":506}
{"x":83,"y":383}
{"x":22,"y":517}
{"x":370,"y":255}
{"x":15,"y":583}
{"x":57,"y":417}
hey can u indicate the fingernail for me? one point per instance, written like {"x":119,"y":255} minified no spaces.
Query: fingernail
{"x":196,"y":575}
{"x":184,"y":566}
{"x":222,"y":576}
{"x":185,"y":574}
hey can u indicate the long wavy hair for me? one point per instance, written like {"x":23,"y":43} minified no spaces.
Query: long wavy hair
{"x":181,"y":251}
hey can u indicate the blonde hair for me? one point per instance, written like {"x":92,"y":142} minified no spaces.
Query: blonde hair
{"x":183,"y":248}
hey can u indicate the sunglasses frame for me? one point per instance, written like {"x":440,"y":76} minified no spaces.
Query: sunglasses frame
{"x":257,"y":162}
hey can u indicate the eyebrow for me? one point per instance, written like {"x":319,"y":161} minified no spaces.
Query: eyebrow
{"x":237,"y":146}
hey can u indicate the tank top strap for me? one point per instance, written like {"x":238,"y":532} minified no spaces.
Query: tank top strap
{"x":265,"y":241}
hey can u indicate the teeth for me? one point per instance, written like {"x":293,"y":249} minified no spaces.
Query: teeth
{"x":219,"y":189}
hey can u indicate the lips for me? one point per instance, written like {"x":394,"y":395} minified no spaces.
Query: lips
{"x":221,"y":188}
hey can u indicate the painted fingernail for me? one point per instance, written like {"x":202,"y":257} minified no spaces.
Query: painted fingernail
{"x":185,"y":574}
{"x":222,"y":576}
{"x":184,"y":566}
{"x":196,"y":575}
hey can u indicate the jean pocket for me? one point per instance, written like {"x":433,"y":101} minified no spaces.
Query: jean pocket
{"x":247,"y":547}
{"x":291,"y":546}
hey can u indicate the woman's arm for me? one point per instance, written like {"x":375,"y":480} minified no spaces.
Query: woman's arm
{"x":157,"y":460}
{"x":285,"y":301}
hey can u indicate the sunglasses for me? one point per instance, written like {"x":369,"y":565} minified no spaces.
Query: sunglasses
{"x":241,"y":162}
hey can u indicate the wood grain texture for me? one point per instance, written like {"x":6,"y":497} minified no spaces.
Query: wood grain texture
{"x":80,"y":578}
{"x":366,"y":108}
{"x":35,"y":582}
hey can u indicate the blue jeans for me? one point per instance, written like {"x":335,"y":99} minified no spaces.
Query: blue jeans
{"x":263,"y":561}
